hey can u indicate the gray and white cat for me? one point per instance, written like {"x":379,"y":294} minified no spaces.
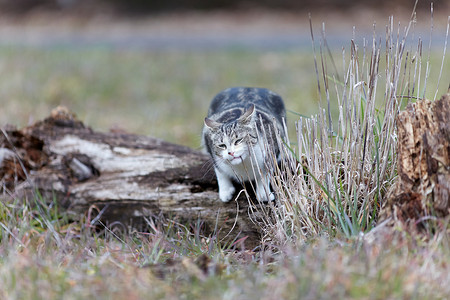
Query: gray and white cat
{"x":240,"y":135}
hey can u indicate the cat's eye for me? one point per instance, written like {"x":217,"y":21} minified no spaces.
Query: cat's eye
{"x":222,"y":146}
{"x":238,"y":141}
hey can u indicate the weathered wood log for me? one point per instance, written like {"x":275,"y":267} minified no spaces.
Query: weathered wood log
{"x":127,"y":177}
{"x":422,"y":189}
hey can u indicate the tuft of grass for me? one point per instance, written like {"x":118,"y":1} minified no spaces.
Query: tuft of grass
{"x":334,"y":179}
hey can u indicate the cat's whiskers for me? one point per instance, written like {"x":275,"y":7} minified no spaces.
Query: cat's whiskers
{"x":207,"y":167}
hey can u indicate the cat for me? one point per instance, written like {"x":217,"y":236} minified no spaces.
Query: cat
{"x":239,"y":134}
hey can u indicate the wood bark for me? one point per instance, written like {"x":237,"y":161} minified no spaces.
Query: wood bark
{"x":127,"y":177}
{"x":422,"y":189}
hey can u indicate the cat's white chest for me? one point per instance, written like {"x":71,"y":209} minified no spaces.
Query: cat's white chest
{"x":252,"y":168}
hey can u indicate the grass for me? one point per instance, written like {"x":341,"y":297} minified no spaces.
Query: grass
{"x":129,"y":88}
{"x":54,"y":259}
{"x":320,"y":241}
{"x":334,"y":179}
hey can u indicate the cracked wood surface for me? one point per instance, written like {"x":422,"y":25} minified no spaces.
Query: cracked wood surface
{"x":422,"y":189}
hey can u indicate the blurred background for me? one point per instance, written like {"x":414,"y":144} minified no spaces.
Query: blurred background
{"x":152,"y":67}
{"x":145,"y":7}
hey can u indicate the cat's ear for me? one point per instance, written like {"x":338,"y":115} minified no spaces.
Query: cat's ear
{"x":211,"y":123}
{"x":247,"y":116}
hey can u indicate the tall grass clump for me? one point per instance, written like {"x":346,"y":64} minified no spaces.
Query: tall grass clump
{"x":334,"y":179}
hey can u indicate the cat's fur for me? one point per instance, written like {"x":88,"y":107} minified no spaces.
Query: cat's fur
{"x":239,"y":132}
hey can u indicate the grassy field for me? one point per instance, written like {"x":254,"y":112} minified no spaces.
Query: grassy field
{"x":43,"y":255}
{"x":130,"y":90}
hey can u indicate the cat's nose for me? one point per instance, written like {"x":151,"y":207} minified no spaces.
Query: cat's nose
{"x":231,"y":153}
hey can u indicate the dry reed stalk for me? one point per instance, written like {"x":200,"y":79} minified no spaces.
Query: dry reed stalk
{"x":335,"y":179}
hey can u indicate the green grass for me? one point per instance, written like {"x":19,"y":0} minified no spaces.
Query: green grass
{"x":161,"y":94}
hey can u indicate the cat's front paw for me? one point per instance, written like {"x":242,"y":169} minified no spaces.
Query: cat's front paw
{"x":226,"y":193}
{"x":264,"y":196}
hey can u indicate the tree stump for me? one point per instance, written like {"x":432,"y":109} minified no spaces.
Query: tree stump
{"x":422,"y":188}
{"x":125,"y":176}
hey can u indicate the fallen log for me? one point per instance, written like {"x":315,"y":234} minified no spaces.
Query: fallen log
{"x":422,"y":189}
{"x":125,"y":176}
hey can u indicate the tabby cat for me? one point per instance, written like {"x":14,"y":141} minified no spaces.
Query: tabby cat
{"x":239,"y":134}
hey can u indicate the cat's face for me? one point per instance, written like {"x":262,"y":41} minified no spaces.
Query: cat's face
{"x":232,"y":145}
{"x":232,"y":142}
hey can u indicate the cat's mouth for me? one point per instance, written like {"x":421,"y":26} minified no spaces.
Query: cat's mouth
{"x":236,"y":159}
